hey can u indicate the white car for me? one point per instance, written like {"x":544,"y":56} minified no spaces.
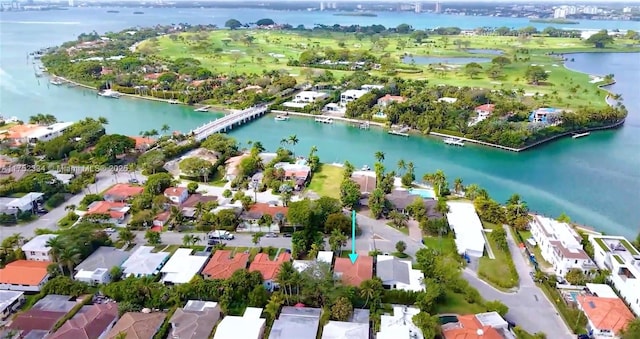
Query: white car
{"x":110,"y":230}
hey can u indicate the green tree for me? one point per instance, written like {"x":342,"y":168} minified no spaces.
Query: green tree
{"x":125,"y":235}
{"x":398,"y":219}
{"x":371,"y":291}
{"x":401,"y":246}
{"x":349,"y":193}
{"x":69,"y":257}
{"x":256,"y":237}
{"x":112,"y":145}
{"x":233,"y":24}
{"x":499,"y":236}
{"x":472,"y":69}
{"x":497,"y":306}
{"x":338,"y":221}
{"x":575,"y":276}
{"x":379,"y":155}
{"x":157,"y":183}
{"x":342,"y":309}
{"x":153,"y":238}
{"x":429,"y":325}
{"x":337,"y":240}
{"x":600,"y":39}
{"x":196,"y":167}
{"x":377,"y":202}
{"x":258,"y":297}
{"x":536,"y":74}
{"x":632,"y":331}
{"x":265,"y":22}
{"x":192,"y":187}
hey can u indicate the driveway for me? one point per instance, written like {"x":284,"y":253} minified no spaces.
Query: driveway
{"x":528,"y":307}
{"x":104,"y":180}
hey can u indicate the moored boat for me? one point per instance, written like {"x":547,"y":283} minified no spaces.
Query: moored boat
{"x":454,"y":141}
{"x":580,"y":135}
{"x":281,"y":118}
{"x":109,"y":93}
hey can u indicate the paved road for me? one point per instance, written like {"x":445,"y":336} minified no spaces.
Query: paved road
{"x":528,"y":307}
{"x":103,"y":181}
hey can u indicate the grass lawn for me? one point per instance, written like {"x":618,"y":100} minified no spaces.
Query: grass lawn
{"x":499,"y":272}
{"x":446,"y":244}
{"x":455,"y":303}
{"x":404,"y":230}
{"x":326,"y":181}
{"x":171,"y":248}
{"x":225,"y":51}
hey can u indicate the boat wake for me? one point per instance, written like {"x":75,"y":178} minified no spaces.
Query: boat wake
{"x":7,"y":83}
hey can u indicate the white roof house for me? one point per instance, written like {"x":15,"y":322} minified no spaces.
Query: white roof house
{"x":249,"y":326}
{"x":325,"y":257}
{"x":560,"y":245}
{"x":601,"y":290}
{"x":466,"y":225}
{"x":143,"y":262}
{"x":182,"y":266}
{"x":36,"y":249}
{"x":371,"y":87}
{"x":351,"y":95}
{"x":622,"y":259}
{"x":65,"y":178}
{"x":398,"y":274}
{"x":10,"y":301}
{"x":356,"y":327}
{"x":400,"y":324}
{"x":309,"y":96}
{"x":25,"y":203}
{"x":49,"y":132}
{"x":97,"y":267}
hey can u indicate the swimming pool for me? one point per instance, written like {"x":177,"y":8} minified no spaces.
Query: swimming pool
{"x":423,"y":192}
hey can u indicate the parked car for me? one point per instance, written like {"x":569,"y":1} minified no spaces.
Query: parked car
{"x":110,"y":230}
{"x":133,"y":181}
{"x":224,"y":235}
{"x":271,"y":235}
{"x":583,"y":336}
{"x":287,"y":235}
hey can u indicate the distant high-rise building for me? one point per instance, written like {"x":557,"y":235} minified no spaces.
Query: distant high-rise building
{"x":560,"y":13}
{"x":626,"y":10}
{"x":418,"y":7}
{"x":322,"y":5}
{"x":438,"y":8}
{"x":71,"y":3}
{"x":590,"y":10}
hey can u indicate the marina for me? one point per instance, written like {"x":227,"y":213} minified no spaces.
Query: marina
{"x":454,"y":142}
{"x":580,"y":135}
{"x":324,"y":120}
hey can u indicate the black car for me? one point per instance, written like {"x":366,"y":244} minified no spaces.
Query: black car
{"x":583,"y":336}
{"x":287,"y":235}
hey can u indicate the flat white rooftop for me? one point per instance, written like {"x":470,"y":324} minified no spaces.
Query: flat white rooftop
{"x":38,"y":243}
{"x":182,"y":266}
{"x":144,"y":262}
{"x":53,"y":128}
{"x":466,"y":225}
{"x":8,"y":297}
{"x":246,"y":327}
{"x":325,"y":256}
{"x":26,"y":199}
{"x":602,"y":290}
{"x":400,"y":324}
{"x":560,"y":231}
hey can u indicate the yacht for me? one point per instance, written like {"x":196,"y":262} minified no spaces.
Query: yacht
{"x":580,"y":135}
{"x":173,"y":101}
{"x":202,"y":109}
{"x":56,"y":82}
{"x":324,"y":120}
{"x":281,"y":118}
{"x":109,"y":93}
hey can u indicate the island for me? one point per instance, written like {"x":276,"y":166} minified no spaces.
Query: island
{"x":503,"y":88}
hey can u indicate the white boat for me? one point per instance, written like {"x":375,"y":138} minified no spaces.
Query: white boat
{"x":325,"y":120}
{"x":109,"y":93}
{"x":454,"y":141}
{"x":366,"y":168}
{"x":281,"y":118}
{"x":580,"y":135}
{"x":203,"y":109}
{"x":56,"y":82}
{"x":173,"y":102}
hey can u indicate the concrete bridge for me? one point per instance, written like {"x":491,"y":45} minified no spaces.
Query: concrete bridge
{"x":228,"y":121}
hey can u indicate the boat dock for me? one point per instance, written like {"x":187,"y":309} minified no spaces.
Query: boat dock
{"x":580,"y":135}
{"x":364,"y":125}
{"x":228,"y":121}
{"x":454,"y":141}
{"x":325,"y":120}
{"x":401,"y":132}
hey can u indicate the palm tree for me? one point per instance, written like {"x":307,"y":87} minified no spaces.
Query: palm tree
{"x":258,"y":147}
{"x":103,"y":120}
{"x":153,"y":132}
{"x":165,"y":128}
{"x":56,"y":245}
{"x":273,"y":307}
{"x":401,"y":165}
{"x":457,"y":185}
{"x":70,"y":207}
{"x":379,"y":155}
{"x":293,"y":140}
{"x":69,"y":256}
{"x":284,"y":142}
{"x":369,"y":290}
{"x":285,"y":278}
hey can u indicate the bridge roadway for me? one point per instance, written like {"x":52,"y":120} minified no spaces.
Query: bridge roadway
{"x":228,"y":121}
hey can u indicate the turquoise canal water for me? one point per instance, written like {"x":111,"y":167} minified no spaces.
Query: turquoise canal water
{"x":596,"y":180}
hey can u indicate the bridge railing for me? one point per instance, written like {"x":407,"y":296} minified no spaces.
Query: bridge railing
{"x":228,"y":120}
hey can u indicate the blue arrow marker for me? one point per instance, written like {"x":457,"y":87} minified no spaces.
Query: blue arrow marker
{"x":353,"y":256}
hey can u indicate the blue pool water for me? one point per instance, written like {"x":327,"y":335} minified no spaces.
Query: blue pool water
{"x":574,"y":296}
{"x":423,"y":192}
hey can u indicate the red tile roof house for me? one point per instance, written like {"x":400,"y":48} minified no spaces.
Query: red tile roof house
{"x":35,"y":323}
{"x":485,"y":110}
{"x":143,"y":143}
{"x":177,"y":195}
{"x":257,"y":210}
{"x":269,"y":268}
{"x":161,"y":219}
{"x":117,"y":211}
{"x":122,"y":192}
{"x":387,"y":99}
{"x":24,"y":275}
{"x":222,"y":265}
{"x":353,"y":274}
{"x":90,"y":322}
